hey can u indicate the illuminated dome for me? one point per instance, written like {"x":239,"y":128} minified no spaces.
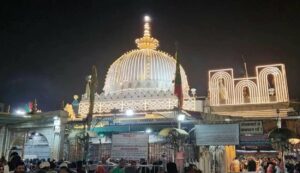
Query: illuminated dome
{"x":140,"y":80}
{"x":143,"y":69}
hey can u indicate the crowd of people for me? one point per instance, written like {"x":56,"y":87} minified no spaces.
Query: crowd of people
{"x":17,"y":165}
{"x":263,"y":165}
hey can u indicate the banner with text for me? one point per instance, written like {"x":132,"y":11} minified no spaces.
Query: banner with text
{"x":255,"y":140}
{"x":251,"y":128}
{"x":217,"y":134}
{"x":130,"y":146}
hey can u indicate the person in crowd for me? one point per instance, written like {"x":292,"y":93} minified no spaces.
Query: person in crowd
{"x":270,"y":168}
{"x":297,"y":168}
{"x":269,"y":162}
{"x":63,"y":168}
{"x":44,"y":167}
{"x":5,"y":165}
{"x":191,"y":169}
{"x":235,"y":165}
{"x":120,"y":167}
{"x":1,"y":167}
{"x":158,"y":167}
{"x":14,"y":159}
{"x":132,"y":168}
{"x":251,"y":165}
{"x":52,"y":167}
{"x":79,"y":167}
{"x":260,"y":169}
{"x":91,"y":167}
{"x":277,"y":168}
{"x":243,"y":165}
{"x":171,"y":167}
{"x":102,"y":167}
{"x":265,"y":164}
{"x":19,"y":167}
{"x":143,"y":168}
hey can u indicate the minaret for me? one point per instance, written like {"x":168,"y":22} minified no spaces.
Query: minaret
{"x":147,"y":42}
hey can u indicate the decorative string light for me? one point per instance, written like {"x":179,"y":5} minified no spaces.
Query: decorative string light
{"x":222,"y":80}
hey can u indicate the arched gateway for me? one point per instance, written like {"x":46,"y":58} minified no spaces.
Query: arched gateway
{"x":39,"y":135}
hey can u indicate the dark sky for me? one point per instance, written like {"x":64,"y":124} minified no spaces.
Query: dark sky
{"x":47,"y":47}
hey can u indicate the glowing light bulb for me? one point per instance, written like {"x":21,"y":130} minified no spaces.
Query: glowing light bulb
{"x":147,"y":19}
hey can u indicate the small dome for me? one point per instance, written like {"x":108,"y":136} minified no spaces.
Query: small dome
{"x":144,"y":69}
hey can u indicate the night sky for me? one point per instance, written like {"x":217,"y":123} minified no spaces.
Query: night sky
{"x":47,"y":47}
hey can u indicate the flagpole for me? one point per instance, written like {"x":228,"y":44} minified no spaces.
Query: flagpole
{"x":178,"y":153}
{"x":89,"y":118}
{"x":245,"y":66}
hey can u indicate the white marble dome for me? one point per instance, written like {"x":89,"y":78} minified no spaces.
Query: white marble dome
{"x":140,"y":80}
{"x":143,"y":69}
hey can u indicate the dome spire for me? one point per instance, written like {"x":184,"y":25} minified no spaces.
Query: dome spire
{"x":147,"y":42}
{"x":147,"y":20}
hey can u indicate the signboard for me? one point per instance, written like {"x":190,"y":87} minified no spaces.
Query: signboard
{"x":255,"y":140}
{"x":217,"y":134}
{"x":130,"y":146}
{"x":251,"y":127}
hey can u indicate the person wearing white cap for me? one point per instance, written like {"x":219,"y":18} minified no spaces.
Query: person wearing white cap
{"x":44,"y":167}
{"x":63,"y":168}
{"x":63,"y":165}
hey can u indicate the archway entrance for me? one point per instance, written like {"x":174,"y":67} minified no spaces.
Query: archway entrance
{"x":36,"y":147}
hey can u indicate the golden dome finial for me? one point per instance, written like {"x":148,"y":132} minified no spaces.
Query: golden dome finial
{"x":147,"y":42}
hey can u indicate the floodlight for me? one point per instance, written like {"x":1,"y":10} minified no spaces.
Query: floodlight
{"x":129,"y":112}
{"x":148,"y":130}
{"x":181,"y":117}
{"x":20,"y":112}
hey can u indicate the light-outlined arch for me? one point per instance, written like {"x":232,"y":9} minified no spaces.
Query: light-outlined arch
{"x":215,"y":89}
{"x":279,"y":82}
{"x":253,"y":91}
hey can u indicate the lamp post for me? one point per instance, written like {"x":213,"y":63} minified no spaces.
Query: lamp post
{"x":179,"y":115}
{"x":179,"y":153}
{"x":180,"y":118}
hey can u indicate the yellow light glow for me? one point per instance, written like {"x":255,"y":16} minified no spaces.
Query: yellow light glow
{"x":147,"y":42}
{"x":294,"y":141}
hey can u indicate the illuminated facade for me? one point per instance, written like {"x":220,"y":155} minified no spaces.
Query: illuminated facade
{"x":260,"y":96}
{"x":268,"y":86}
{"x":141,"y":79}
